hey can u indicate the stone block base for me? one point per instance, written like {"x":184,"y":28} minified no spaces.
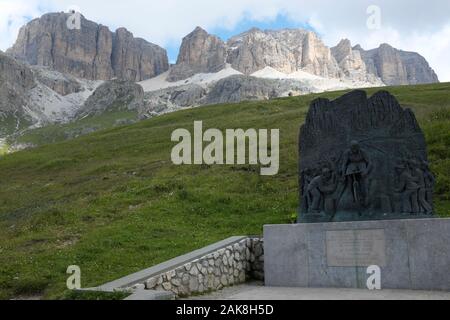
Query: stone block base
{"x":412,"y":254}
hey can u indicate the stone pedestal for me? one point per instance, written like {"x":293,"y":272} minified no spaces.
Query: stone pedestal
{"x":412,"y":254}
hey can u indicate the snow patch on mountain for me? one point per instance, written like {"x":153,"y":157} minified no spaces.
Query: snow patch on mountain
{"x":203,"y":79}
{"x":314,"y":82}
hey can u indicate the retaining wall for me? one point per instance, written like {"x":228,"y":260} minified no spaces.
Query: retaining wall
{"x":234,"y":264}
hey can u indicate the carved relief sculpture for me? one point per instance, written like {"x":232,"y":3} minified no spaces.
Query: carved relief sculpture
{"x":363,"y":159}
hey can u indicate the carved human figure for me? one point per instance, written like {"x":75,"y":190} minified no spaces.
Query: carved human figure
{"x":419,"y":175}
{"x":355,"y":169}
{"x":319,"y":189}
{"x":430,"y":181}
{"x":306,"y":178}
{"x":408,"y":189}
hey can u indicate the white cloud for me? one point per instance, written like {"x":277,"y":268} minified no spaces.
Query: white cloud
{"x":413,"y":25}
{"x":14,"y":14}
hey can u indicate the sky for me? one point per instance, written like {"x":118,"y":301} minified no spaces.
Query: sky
{"x":411,"y":25}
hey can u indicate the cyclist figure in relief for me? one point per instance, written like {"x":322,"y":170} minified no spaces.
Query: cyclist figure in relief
{"x":356,"y":168}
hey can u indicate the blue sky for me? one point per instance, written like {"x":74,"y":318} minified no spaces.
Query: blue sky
{"x":279,"y":22}
{"x":411,"y":25}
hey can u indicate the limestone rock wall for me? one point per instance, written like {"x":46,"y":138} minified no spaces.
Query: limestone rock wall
{"x":63,"y":84}
{"x":200,"y":52}
{"x":136,"y":59}
{"x":396,"y":67}
{"x":239,"y":88}
{"x":96,"y":53}
{"x":93,"y":52}
{"x":36,"y":96}
{"x":114,"y":95}
{"x":285,"y":50}
{"x":16,"y":79}
{"x":232,"y":265}
{"x":292,"y":50}
{"x":232,"y":89}
{"x":351,"y":62}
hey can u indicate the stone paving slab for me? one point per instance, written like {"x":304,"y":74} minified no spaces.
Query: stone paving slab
{"x":259,"y":292}
{"x":147,"y":295}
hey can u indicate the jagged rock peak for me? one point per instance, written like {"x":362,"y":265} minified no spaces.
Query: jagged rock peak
{"x":200,"y":52}
{"x":92,"y":52}
{"x":286,"y":50}
{"x":342,"y":50}
{"x":199,"y":29}
{"x":352,"y":64}
{"x":397,"y":67}
{"x":292,"y":50}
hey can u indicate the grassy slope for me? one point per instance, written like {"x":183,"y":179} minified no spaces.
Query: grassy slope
{"x":10,"y":124}
{"x":61,"y":132}
{"x":113,"y":203}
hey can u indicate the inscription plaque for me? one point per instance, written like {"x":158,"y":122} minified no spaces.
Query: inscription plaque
{"x":356,"y":248}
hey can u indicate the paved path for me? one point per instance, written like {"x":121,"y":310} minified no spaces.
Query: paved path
{"x":258,"y":292}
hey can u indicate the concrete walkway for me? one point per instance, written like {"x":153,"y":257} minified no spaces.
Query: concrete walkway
{"x":257,"y":291}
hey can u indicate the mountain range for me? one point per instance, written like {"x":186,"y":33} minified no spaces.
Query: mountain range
{"x":53,"y":74}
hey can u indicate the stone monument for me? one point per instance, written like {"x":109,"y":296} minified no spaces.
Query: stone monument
{"x":363,"y":159}
{"x":366,"y":202}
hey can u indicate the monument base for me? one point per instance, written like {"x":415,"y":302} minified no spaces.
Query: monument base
{"x":412,"y":254}
{"x":351,"y":216}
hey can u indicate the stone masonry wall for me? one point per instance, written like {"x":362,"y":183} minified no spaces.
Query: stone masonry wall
{"x":232,"y":265}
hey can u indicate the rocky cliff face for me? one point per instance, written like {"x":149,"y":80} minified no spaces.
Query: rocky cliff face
{"x":200,"y":52}
{"x":93,"y":52}
{"x":32,"y":96}
{"x":396,"y":67}
{"x":63,"y":84}
{"x":114,"y":95}
{"x":310,"y":53}
{"x":231,"y":89}
{"x":136,"y":59}
{"x":350,"y":61}
{"x":254,"y":50}
{"x":16,"y":80}
{"x":292,"y":50}
{"x":172,"y":99}
{"x":239,"y":88}
{"x":285,"y":50}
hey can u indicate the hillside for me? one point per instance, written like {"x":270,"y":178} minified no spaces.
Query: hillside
{"x":113,"y":203}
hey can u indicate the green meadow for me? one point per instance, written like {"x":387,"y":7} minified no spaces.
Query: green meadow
{"x":113,"y":203}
